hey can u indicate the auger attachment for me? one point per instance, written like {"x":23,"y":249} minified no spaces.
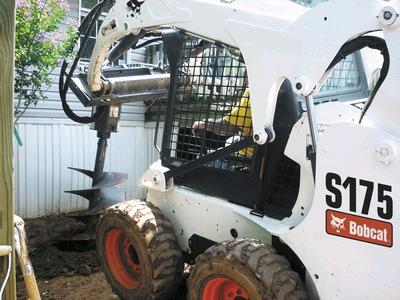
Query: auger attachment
{"x":119,"y":85}
{"x":134,"y":84}
{"x":103,"y":192}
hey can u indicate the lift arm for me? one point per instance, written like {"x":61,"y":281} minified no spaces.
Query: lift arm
{"x":278,"y":40}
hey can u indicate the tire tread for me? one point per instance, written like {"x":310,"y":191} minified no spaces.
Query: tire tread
{"x":273,"y":272}
{"x":161,"y":243}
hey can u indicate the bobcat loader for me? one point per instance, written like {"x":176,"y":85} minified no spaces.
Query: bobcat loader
{"x":267,"y":196}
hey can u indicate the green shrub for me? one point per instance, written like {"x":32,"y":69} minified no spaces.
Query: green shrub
{"x":39,"y":47}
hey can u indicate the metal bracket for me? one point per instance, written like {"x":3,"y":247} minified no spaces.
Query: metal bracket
{"x":155,"y":178}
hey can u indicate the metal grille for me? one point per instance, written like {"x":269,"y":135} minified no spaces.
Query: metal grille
{"x":211,"y":107}
{"x":344,"y":76}
{"x":283,"y":191}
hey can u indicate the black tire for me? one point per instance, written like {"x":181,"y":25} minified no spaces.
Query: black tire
{"x":243,"y":269}
{"x":138,"y":251}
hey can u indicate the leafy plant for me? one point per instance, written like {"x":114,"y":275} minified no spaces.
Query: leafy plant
{"x":39,"y":47}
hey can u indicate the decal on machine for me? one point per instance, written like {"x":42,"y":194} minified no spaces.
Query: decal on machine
{"x":359,"y":228}
{"x":135,"y":6}
{"x":353,"y":187}
{"x":361,"y":197}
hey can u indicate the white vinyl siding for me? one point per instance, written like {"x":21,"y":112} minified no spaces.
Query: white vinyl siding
{"x":50,"y":147}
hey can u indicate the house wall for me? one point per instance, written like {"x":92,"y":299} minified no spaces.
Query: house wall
{"x":52,"y":143}
{"x":51,"y":146}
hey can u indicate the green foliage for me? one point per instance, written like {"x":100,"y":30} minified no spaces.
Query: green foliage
{"x":40,"y":45}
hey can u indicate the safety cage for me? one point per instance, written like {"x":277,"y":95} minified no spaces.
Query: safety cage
{"x":210,"y":107}
{"x":207,"y":139}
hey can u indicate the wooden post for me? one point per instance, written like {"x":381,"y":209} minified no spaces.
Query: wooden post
{"x":7,"y":29}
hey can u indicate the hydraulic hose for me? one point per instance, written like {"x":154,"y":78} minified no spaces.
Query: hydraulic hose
{"x":90,"y":19}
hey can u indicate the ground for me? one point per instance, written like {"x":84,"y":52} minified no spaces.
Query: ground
{"x":65,"y":261}
{"x":74,"y":287}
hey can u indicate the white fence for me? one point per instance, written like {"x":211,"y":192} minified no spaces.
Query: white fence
{"x":51,"y":146}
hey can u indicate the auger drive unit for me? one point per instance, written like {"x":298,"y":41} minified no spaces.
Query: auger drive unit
{"x":279,"y":160}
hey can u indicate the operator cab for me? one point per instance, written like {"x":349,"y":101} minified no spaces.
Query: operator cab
{"x":207,"y":138}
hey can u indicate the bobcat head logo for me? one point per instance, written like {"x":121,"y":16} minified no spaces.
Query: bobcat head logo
{"x":337,"y":223}
{"x":135,"y":6}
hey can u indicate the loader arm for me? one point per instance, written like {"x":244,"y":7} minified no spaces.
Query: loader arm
{"x":278,"y":40}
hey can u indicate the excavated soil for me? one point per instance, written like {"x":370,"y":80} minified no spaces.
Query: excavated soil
{"x":65,"y":261}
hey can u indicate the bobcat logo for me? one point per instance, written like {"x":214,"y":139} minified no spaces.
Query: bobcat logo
{"x":337,"y":223}
{"x":135,"y":6}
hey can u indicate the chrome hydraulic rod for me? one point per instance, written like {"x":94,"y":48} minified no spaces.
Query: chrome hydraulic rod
{"x":312,"y":121}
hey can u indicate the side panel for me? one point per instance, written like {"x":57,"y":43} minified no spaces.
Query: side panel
{"x":349,"y":240}
{"x":213,"y":218}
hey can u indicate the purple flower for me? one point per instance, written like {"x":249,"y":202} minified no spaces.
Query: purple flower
{"x":51,"y":37}
{"x":58,"y":36}
{"x":42,"y":37}
{"x":41,"y":4}
{"x":27,"y":14}
{"x":23,"y":4}
{"x":72,"y":23}
{"x":63,"y":4}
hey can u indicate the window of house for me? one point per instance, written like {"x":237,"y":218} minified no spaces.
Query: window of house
{"x":156,"y":55}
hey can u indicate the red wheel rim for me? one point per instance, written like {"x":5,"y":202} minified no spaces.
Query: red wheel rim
{"x":122,"y":259}
{"x":221,"y":288}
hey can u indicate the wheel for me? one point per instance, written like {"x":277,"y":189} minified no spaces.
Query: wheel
{"x":243,"y":269}
{"x":138,"y":251}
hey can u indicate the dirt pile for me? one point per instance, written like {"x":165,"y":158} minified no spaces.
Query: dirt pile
{"x":64,"y":260}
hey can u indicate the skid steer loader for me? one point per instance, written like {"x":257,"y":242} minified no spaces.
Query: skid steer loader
{"x":266,"y":194}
